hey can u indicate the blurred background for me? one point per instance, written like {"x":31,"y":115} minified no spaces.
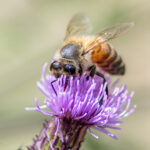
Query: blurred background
{"x":31,"y":31}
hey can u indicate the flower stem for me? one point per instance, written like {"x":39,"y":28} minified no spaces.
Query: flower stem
{"x":61,"y":134}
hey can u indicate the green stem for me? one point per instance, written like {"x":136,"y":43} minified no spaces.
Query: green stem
{"x":71,"y":137}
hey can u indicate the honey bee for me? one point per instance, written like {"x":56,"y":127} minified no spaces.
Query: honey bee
{"x":79,"y":53}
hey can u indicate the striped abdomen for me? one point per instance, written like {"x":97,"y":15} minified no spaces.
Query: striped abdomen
{"x":107,"y":59}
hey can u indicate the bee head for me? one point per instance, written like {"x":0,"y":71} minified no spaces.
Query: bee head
{"x":69,"y":69}
{"x":58,"y":68}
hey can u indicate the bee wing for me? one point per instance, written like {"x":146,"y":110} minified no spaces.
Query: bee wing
{"x":79,"y":24}
{"x":109,"y":34}
{"x":115,"y":31}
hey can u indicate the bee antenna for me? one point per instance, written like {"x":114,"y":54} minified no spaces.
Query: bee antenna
{"x":53,"y":86}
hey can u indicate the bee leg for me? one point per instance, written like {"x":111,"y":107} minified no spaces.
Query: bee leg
{"x":53,"y":86}
{"x":80,"y":69}
{"x":66,"y":83}
{"x":104,"y":80}
{"x":92,"y":71}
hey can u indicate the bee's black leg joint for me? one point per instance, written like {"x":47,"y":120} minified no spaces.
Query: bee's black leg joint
{"x":53,"y":86}
{"x":66,"y":83}
{"x":92,"y":71}
{"x":104,"y":80}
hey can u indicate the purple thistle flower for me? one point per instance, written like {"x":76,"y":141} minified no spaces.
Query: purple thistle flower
{"x":83,"y":102}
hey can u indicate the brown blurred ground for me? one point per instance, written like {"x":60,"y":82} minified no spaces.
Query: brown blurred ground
{"x":30,"y":32}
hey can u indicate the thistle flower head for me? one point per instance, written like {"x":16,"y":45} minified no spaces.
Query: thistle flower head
{"x":85,"y":102}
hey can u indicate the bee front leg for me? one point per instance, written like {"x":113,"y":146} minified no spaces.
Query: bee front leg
{"x":66,"y":83}
{"x":53,"y":86}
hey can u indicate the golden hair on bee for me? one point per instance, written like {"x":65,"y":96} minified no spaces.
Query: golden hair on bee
{"x":83,"y":53}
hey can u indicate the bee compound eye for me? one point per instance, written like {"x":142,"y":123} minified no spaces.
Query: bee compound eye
{"x":70,"y":69}
{"x":56,"y":65}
